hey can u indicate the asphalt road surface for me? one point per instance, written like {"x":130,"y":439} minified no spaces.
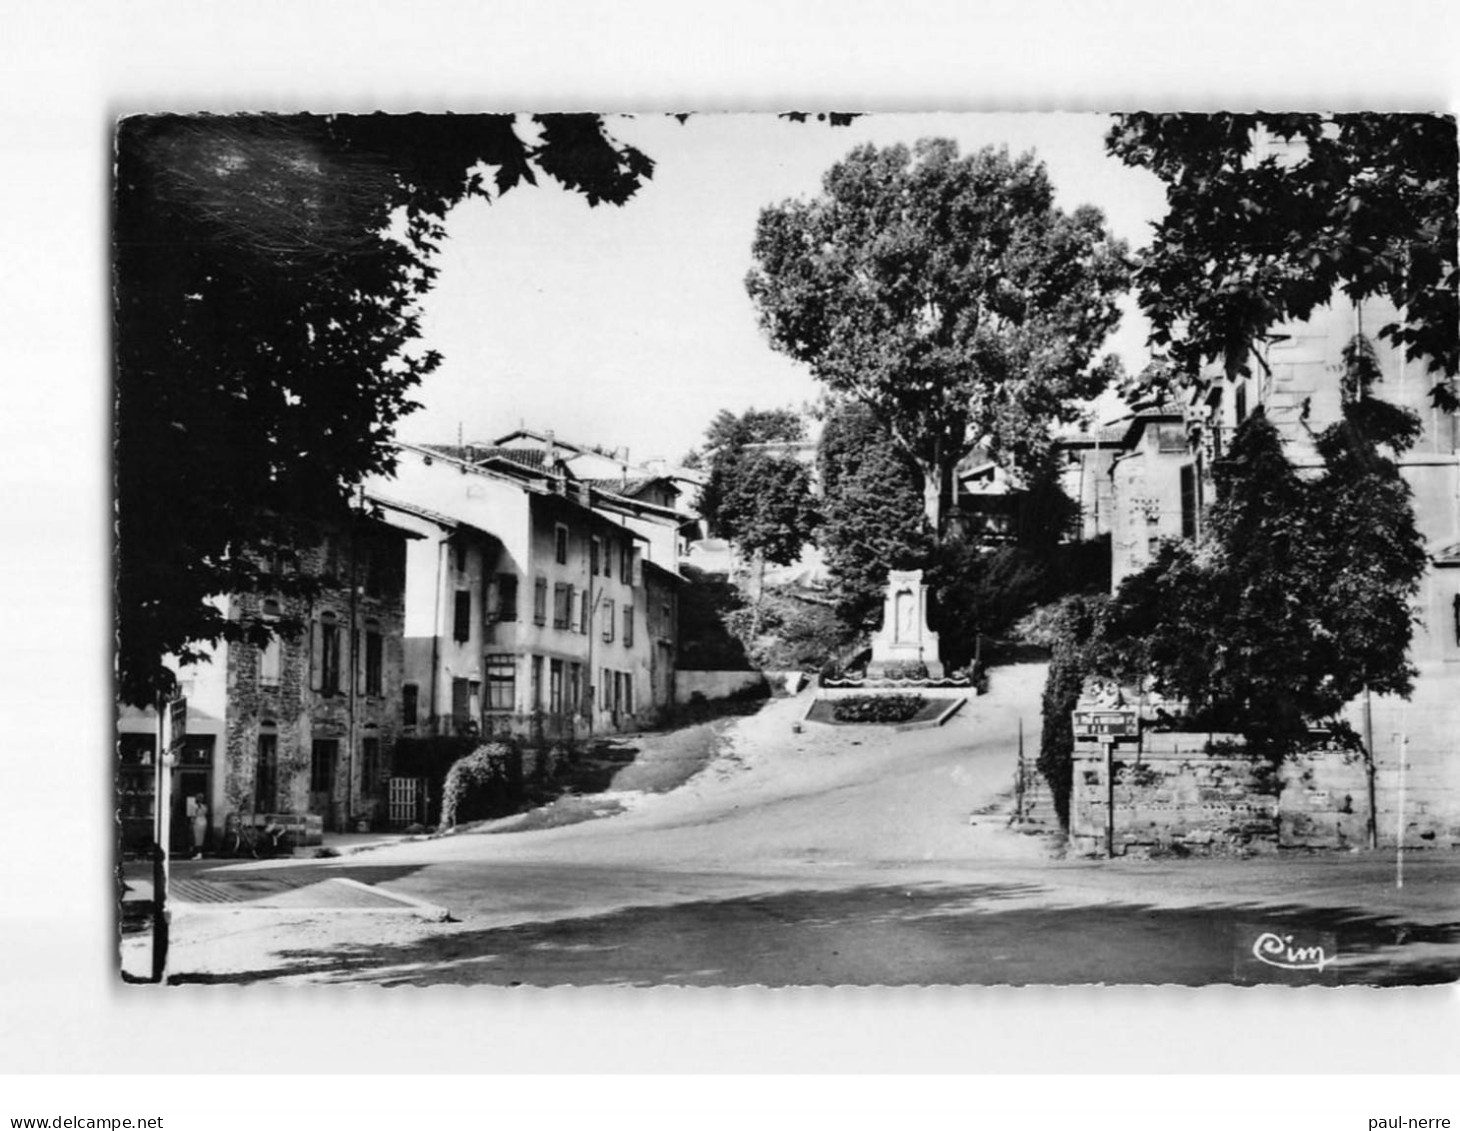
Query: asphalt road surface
{"x":831,"y":856}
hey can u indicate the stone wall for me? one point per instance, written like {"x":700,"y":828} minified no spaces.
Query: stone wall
{"x":714,"y":685}
{"x":1199,"y":793}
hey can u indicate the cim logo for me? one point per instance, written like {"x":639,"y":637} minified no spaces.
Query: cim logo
{"x":1264,"y":954}
{"x":1279,"y":950}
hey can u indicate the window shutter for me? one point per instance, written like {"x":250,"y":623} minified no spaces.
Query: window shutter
{"x":316,"y":654}
{"x":357,"y":660}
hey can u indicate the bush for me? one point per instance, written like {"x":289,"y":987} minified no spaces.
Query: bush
{"x":877,"y":708}
{"x":487,"y":782}
{"x":1076,"y":636}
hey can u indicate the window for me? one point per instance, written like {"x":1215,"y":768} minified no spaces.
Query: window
{"x":461,"y":621}
{"x":536,"y":683}
{"x":322,"y":760}
{"x":608,"y":615}
{"x":562,"y":605}
{"x":501,"y":682}
{"x":628,"y":700}
{"x":369,"y":766}
{"x":628,"y":626}
{"x":507,"y":596}
{"x":409,"y":704}
{"x":594,"y":553}
{"x":460,"y":701}
{"x":555,"y":687}
{"x":372,"y":568}
{"x":329,"y":654}
{"x":1171,"y":438}
{"x":1241,"y":402}
{"x":1188,"y":501}
{"x":626,"y":562}
{"x":575,"y":687}
{"x":608,"y":559}
{"x":539,"y":601}
{"x":374,"y":659}
{"x":560,"y":543}
{"x":266,"y":771}
{"x":270,"y":656}
{"x":458,"y":548}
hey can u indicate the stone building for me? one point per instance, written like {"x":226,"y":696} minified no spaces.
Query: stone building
{"x":312,"y":722}
{"x":1159,"y":479}
{"x":303,"y":726}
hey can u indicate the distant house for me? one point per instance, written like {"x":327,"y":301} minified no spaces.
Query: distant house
{"x":534,"y":604}
{"x":302,"y":725}
{"x":1139,"y":483}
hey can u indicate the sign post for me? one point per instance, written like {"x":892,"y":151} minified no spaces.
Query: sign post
{"x":1109,"y":745}
{"x":1105,"y":726}
{"x":172,"y":729}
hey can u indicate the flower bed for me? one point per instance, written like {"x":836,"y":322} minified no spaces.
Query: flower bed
{"x":876,"y":708}
{"x":929,"y":712}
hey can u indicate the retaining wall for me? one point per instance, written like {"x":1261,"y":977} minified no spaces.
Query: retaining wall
{"x":1172,"y":792}
{"x":714,"y":685}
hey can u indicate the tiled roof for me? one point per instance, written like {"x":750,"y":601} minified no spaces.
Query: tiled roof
{"x":475,"y":453}
{"x":625,"y":487}
{"x":1170,"y":407}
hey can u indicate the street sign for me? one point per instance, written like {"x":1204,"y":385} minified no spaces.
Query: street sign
{"x":1106,"y":724}
{"x":175,"y":726}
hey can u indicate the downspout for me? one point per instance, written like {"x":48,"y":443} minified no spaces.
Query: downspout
{"x":592,"y":685}
{"x":436,"y":637}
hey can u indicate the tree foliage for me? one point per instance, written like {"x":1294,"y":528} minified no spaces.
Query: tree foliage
{"x":948,"y":294}
{"x":268,"y":272}
{"x":768,"y":509}
{"x":1268,"y":215}
{"x":872,"y":513}
{"x":1078,"y":651}
{"x":725,"y":450}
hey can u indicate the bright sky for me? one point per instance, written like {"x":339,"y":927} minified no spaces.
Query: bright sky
{"x":631,"y":326}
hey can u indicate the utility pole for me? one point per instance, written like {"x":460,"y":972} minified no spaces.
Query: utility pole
{"x":171,"y":728}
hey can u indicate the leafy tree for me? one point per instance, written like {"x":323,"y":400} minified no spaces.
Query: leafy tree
{"x":770,"y":513}
{"x":1298,"y":598}
{"x":1257,"y":234}
{"x":872,"y":512}
{"x":769,"y":510}
{"x":946,"y":293}
{"x":724,"y":452}
{"x":268,"y":272}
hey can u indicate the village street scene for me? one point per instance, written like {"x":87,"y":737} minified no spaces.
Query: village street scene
{"x":787,"y":549}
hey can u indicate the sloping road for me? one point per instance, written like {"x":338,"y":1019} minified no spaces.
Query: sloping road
{"x":839,"y":855}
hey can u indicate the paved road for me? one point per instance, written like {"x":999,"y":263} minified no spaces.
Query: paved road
{"x":837,"y":857}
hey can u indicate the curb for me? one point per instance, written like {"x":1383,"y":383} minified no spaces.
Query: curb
{"x":432,"y":911}
{"x":929,"y":724}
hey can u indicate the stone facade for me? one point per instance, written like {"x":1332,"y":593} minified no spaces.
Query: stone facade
{"x":312,"y":722}
{"x":1198,"y":793}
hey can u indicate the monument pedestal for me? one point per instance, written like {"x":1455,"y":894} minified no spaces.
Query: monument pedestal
{"x":905,"y":637}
